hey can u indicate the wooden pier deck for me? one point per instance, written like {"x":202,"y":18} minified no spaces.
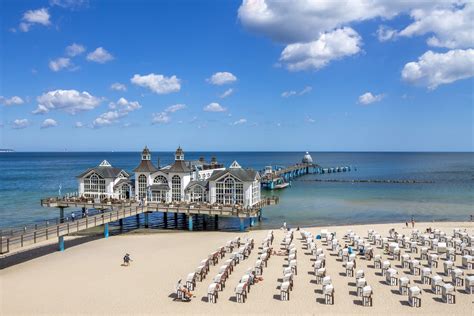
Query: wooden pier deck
{"x":18,"y":238}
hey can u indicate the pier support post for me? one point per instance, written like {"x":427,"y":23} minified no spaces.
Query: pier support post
{"x":165,"y":219}
{"x":106,"y":230}
{"x":216,"y":222}
{"x":61,"y":243}
{"x":252,"y":221}
{"x":146,"y":219}
{"x":61,"y":238}
{"x":242,"y":224}
{"x":138,"y":220}
{"x":190,"y":223}
{"x":204,"y":222}
{"x":260,"y":216}
{"x":176,"y":220}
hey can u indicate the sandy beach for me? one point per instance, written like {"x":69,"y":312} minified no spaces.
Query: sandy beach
{"x":88,"y":278}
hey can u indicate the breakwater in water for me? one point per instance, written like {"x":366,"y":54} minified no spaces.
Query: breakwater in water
{"x":368,"y":181}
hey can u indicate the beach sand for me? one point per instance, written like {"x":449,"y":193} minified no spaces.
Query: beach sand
{"x":89,"y":278}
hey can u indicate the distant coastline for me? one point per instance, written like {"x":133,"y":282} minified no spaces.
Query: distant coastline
{"x":6,"y":150}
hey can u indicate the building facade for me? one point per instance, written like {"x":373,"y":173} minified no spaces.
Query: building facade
{"x":196,"y":181}
{"x":105,"y":181}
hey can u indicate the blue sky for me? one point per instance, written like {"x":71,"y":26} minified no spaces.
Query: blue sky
{"x":376,"y":77}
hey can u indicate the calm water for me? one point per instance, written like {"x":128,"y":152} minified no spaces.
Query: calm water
{"x":27,"y":177}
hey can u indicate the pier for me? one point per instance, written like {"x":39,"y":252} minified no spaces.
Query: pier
{"x":271,"y":179}
{"x":117,"y":211}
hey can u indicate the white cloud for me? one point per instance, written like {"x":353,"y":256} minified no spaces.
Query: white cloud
{"x":47,"y":123}
{"x":164,"y":117}
{"x":75,"y":49}
{"x":121,"y":108}
{"x":118,"y":86}
{"x":317,"y":54}
{"x":214,"y":107}
{"x":287,"y":94}
{"x":20,"y":123}
{"x":124,"y":106}
{"x":385,"y":33}
{"x":368,"y":98}
{"x":310,"y":120}
{"x":434,"y":69}
{"x":100,"y":55}
{"x":175,"y":108}
{"x":157,"y":83}
{"x":107,"y":118}
{"x":31,"y":17}
{"x":302,"y":23}
{"x":160,"y":118}
{"x":70,"y":101}
{"x":220,"y":78}
{"x":240,"y":121}
{"x":15,"y":100}
{"x":451,"y":26}
{"x":226,"y":93}
{"x":78,"y":125}
{"x":60,"y":63}
{"x":69,"y":4}
{"x":290,"y":93}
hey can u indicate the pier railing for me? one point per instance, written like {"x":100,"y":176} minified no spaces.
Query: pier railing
{"x":111,"y":212}
{"x":33,"y":236}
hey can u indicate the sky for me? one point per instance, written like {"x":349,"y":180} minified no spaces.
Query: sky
{"x":253,"y":75}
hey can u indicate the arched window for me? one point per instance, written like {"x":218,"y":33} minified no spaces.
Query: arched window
{"x":160,"y":180}
{"x":176,"y":188}
{"x":142,"y":184}
{"x":229,"y":191}
{"x":124,"y":191}
{"x":93,"y":185}
{"x":198,"y":194}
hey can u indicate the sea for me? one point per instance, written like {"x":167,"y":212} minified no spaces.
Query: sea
{"x":382,"y":187}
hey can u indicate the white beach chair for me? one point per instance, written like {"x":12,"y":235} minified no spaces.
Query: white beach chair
{"x":328,"y":292}
{"x":448,"y":294}
{"x":241,"y":292}
{"x":350,"y":269}
{"x":360,"y":284}
{"x":212,"y":293}
{"x":288,"y":278}
{"x":403,"y":284}
{"x":285,"y":291}
{"x":415,"y":267}
{"x":377,"y":261}
{"x":424,"y":253}
{"x":448,"y":267}
{"x":414,"y":296}
{"x":469,"y":284}
{"x":457,"y":277}
{"x":433,"y":260}
{"x":320,"y":274}
{"x":191,"y":281}
{"x":367,"y":296}
{"x":425,"y":277}
{"x":359,"y":274}
{"x":391,"y":277}
{"x":436,"y":284}
{"x":293,"y":266}
{"x":405,"y":260}
{"x":467,"y":262}
{"x":385,"y":266}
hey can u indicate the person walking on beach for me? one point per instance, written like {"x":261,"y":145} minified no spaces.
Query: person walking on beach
{"x":406,"y":224}
{"x":412,"y":222}
{"x":126,"y":260}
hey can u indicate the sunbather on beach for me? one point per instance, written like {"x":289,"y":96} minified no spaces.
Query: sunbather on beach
{"x":280,"y":252}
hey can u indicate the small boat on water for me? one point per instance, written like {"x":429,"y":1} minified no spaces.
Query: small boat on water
{"x":281,"y":185}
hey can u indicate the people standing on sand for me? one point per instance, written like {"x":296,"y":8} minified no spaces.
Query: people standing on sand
{"x":126,"y":260}
{"x":284,"y":226}
{"x":412,"y":223}
{"x":406,"y":224}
